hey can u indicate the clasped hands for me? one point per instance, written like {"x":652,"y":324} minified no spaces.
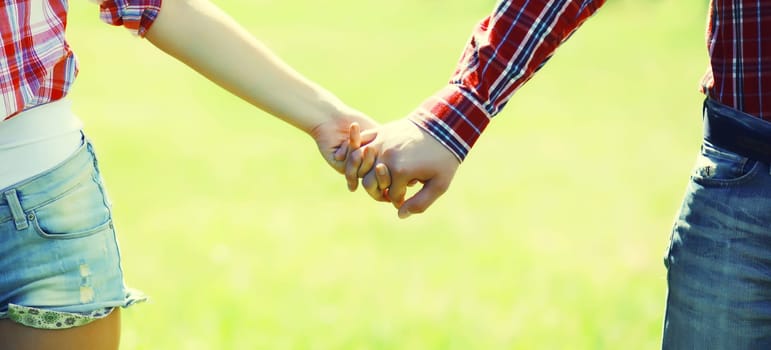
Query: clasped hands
{"x":388,"y":158}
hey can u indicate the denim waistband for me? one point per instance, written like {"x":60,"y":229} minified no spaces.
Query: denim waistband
{"x":48,"y":185}
{"x":737,"y":131}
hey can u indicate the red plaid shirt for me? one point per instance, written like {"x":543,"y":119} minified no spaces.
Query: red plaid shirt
{"x":740,"y":55}
{"x":511,"y":44}
{"x":36,"y":63}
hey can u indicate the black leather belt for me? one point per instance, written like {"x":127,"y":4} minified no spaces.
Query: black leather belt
{"x":737,"y":131}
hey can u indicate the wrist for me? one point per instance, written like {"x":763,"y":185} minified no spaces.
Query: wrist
{"x":453,"y":118}
{"x":307,"y":111}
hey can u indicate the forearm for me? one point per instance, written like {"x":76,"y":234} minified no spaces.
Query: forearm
{"x":504,"y":52}
{"x":205,"y":38}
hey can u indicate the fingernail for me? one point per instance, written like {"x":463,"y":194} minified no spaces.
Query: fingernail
{"x":381,"y":170}
{"x":404,"y":214}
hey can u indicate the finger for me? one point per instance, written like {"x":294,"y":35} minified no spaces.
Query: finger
{"x":398,"y":190}
{"x":383,"y":180}
{"x":341,"y":152}
{"x":354,"y":141}
{"x":427,"y":195}
{"x":369,"y":182}
{"x":352,"y":164}
{"x":354,"y":136}
{"x":383,"y":176}
{"x":353,"y":157}
{"x":368,"y":159}
{"x":368,"y":136}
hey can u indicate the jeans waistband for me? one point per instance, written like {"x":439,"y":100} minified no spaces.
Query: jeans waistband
{"x":49,"y":184}
{"x":737,"y":131}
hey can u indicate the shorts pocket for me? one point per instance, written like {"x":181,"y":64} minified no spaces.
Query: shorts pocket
{"x":719,"y":167}
{"x":78,"y":212}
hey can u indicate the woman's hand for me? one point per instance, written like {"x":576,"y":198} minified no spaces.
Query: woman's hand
{"x":337,"y":137}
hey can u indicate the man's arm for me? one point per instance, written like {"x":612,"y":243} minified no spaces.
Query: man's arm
{"x":504,"y":51}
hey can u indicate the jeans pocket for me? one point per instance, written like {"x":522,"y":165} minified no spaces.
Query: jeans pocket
{"x":78,"y":212}
{"x":720,"y":167}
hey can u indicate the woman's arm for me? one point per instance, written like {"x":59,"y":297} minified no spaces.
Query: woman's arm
{"x":202,"y":36}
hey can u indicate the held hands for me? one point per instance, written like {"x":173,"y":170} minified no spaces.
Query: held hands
{"x":332,"y":136}
{"x":402,"y":154}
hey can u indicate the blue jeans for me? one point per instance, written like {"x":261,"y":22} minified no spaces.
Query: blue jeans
{"x":59,"y":258}
{"x":719,"y":257}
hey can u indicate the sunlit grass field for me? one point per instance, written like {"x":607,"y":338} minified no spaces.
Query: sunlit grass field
{"x":550,"y":237}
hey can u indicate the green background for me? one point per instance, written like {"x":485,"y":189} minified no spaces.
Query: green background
{"x":550,"y":237}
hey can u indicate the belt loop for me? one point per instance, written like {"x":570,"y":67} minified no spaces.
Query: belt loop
{"x":16,"y":211}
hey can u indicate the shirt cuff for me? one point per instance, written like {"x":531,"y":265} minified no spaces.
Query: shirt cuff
{"x":136,"y":15}
{"x":454,"y":117}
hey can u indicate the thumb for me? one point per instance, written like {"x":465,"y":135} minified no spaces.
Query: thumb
{"x":368,"y":136}
{"x":423,"y":199}
{"x":354,"y":142}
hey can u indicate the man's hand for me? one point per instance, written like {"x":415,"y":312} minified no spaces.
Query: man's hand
{"x":405,"y":155}
{"x":338,"y":136}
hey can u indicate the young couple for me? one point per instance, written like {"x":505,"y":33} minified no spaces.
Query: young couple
{"x":61,"y":285}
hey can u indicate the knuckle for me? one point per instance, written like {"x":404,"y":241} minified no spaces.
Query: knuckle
{"x":363,"y":170}
{"x":388,"y":153}
{"x":418,"y":209}
{"x":383,"y":180}
{"x":356,"y":157}
{"x":369,"y":160}
{"x":368,"y":183}
{"x":440,"y":187}
{"x":397,"y":169}
{"x":375,"y":194}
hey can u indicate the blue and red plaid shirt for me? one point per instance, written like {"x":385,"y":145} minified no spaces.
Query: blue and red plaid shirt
{"x":505,"y":50}
{"x":36,"y":63}
{"x":511,"y":44}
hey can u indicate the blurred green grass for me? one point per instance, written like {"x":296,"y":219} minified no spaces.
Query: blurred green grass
{"x":550,"y":237}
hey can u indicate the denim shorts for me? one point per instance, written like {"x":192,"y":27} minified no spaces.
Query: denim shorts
{"x":59,"y":257}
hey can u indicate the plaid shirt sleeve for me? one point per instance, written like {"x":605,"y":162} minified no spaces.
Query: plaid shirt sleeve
{"x":136,"y":15}
{"x":504,"y":51}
